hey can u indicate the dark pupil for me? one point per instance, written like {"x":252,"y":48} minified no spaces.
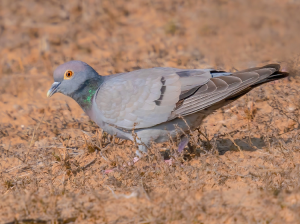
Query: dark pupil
{"x":69,"y":74}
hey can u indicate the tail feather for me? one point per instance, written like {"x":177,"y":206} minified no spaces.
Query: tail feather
{"x":222,"y":90}
{"x":276,"y":75}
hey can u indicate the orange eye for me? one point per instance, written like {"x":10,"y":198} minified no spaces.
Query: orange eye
{"x":68,"y":74}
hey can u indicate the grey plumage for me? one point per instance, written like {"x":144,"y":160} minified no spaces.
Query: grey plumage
{"x":153,"y":101}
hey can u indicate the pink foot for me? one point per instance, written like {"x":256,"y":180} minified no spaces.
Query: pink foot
{"x":169,"y":162}
{"x":107,"y":171}
{"x":135,"y":159}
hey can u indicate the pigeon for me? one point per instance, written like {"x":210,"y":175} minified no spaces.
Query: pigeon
{"x":155,"y":103}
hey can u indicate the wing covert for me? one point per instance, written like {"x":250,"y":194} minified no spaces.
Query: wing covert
{"x":140,"y":102}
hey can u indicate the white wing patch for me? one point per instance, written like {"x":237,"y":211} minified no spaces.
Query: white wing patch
{"x":138,"y":102}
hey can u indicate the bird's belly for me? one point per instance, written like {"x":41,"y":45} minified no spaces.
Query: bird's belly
{"x":159,"y":133}
{"x":126,"y":134}
{"x":173,"y":128}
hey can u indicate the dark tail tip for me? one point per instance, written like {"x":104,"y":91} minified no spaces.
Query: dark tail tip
{"x":275,"y":76}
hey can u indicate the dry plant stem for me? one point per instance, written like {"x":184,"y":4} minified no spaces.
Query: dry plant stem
{"x":100,"y":135}
{"x":241,"y":152}
{"x":9,"y":152}
{"x":35,"y":130}
{"x":189,"y":131}
{"x":206,"y":137}
{"x":249,"y":119}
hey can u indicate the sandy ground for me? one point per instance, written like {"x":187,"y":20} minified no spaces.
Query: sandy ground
{"x":246,"y":165}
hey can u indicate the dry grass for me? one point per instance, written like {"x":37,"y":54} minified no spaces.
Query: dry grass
{"x":245,"y":164}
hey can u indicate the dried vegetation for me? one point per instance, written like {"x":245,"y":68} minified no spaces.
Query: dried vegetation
{"x":244,"y":166}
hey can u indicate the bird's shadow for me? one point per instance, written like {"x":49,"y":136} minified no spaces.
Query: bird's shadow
{"x":224,"y":145}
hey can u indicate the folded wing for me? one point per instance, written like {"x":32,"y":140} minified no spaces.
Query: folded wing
{"x":147,"y":97}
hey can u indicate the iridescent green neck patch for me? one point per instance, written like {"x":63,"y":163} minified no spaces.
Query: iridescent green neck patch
{"x":86,"y":92}
{"x":90,"y":96}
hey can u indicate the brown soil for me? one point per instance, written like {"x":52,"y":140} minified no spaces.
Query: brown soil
{"x":245,"y":168}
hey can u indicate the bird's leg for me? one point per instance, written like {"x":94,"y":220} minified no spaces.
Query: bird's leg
{"x":139,"y":152}
{"x":184,"y":141}
{"x":143,"y":149}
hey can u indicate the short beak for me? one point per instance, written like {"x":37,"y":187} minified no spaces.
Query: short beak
{"x":53,"y":89}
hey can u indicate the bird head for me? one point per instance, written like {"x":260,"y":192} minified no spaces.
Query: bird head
{"x":70,"y":77}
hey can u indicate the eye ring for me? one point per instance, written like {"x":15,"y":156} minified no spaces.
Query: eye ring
{"x":68,"y":74}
